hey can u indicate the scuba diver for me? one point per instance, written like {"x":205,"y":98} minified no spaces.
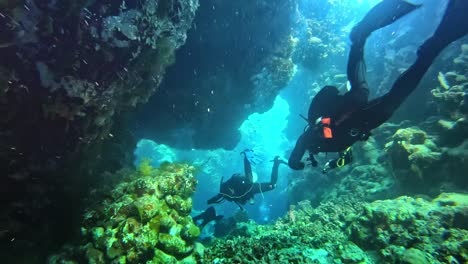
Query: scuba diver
{"x":335,"y":122}
{"x":207,"y":216}
{"x":241,"y":188}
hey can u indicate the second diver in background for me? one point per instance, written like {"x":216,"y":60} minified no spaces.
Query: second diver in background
{"x":241,"y":188}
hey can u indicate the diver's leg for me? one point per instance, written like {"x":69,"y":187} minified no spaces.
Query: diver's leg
{"x":452,"y":26}
{"x":382,"y":14}
{"x":304,"y":142}
{"x":356,"y":72}
{"x":206,"y":216}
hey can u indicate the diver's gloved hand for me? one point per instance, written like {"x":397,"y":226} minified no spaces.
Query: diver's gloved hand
{"x":278,"y":160}
{"x":296,"y":165}
{"x":251,"y":156}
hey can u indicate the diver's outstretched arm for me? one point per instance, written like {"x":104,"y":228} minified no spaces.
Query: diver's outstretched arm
{"x":303,"y":143}
{"x":295,"y":158}
{"x":268,"y":186}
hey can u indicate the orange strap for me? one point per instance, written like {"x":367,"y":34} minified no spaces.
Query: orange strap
{"x":326,"y":121}
{"x":327,"y":132}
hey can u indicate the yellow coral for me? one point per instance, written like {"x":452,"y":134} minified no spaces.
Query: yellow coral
{"x":145,"y":167}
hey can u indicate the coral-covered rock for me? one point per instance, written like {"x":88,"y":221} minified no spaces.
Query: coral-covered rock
{"x":450,"y":100}
{"x":304,"y":235}
{"x":411,"y":230}
{"x":155,"y":230}
{"x":414,"y":157}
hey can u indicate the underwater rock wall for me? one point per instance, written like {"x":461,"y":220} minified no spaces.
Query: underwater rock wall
{"x":236,"y":59}
{"x":69,"y":67}
{"x":69,"y":70}
{"x":143,"y":219}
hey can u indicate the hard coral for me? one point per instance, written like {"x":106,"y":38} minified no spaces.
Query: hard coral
{"x":161,"y":228}
{"x":408,"y":228}
{"x":314,"y":236}
{"x":450,"y":97}
{"x":413,"y":156}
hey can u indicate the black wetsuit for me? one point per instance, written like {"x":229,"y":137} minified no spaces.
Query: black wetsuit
{"x":352,"y":115}
{"x":241,"y":188}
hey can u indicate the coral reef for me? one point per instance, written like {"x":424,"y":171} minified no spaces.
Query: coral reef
{"x":429,"y":163}
{"x":402,"y":230}
{"x":144,"y":219}
{"x":321,"y":33}
{"x":364,"y":182}
{"x":304,"y":235}
{"x":318,"y":43}
{"x":451,"y":101}
{"x":414,"y":157}
{"x":360,"y":182}
{"x":413,"y":230}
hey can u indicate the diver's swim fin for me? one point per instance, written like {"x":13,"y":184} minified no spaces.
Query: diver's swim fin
{"x":453,"y":26}
{"x":381,"y":15}
{"x":207,"y":216}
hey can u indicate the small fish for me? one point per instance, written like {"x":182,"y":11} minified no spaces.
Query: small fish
{"x":315,"y":40}
{"x":340,"y":76}
{"x":443,"y":82}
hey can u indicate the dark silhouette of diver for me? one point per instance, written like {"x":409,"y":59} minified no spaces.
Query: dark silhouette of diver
{"x":241,"y":188}
{"x":337,"y":121}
